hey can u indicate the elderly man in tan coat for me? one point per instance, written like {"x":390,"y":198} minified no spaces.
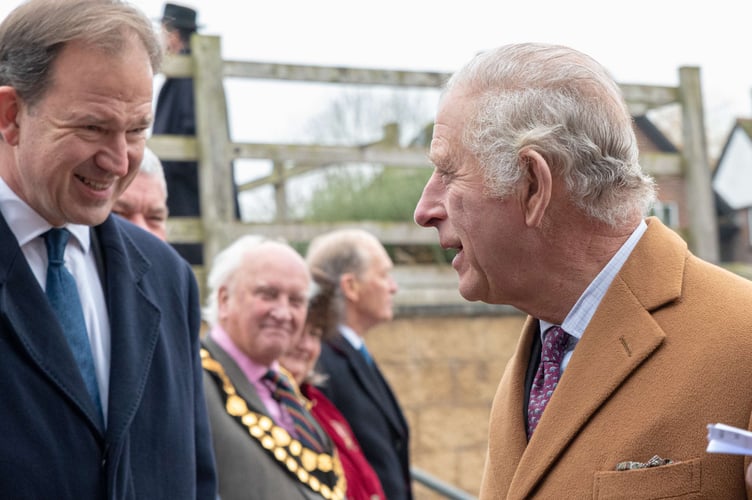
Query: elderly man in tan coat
{"x":632,"y":345}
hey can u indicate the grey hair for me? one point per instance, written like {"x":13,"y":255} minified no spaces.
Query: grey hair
{"x":338,"y":252}
{"x":152,"y":166}
{"x":34,"y":33}
{"x":224,"y":270}
{"x":565,"y":106}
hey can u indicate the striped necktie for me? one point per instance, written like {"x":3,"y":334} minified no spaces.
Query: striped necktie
{"x":283,"y":393}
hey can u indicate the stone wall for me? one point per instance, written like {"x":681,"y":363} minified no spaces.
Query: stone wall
{"x":445,"y":371}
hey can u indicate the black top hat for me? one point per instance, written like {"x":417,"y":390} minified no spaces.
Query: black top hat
{"x":177,"y":16}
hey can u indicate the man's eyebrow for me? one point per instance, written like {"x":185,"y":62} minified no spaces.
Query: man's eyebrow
{"x":122,"y":204}
{"x":157,"y":211}
{"x":145,"y":121}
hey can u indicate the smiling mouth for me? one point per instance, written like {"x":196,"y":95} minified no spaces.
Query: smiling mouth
{"x":97,"y":186}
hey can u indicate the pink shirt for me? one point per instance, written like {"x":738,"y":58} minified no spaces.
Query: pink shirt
{"x":254,"y":372}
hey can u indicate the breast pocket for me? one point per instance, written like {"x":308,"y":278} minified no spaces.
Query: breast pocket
{"x":677,"y":480}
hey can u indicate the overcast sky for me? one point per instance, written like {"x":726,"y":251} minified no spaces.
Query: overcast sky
{"x":640,"y":41}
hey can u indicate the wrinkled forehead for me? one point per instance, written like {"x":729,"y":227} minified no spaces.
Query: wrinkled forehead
{"x":271,"y":262}
{"x":455,"y":111}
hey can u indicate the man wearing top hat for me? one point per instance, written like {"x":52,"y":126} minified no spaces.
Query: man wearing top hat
{"x":179,"y":23}
{"x":174,"y":114}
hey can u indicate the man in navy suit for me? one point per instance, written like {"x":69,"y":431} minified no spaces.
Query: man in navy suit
{"x":75,"y":105}
{"x":358,"y":262}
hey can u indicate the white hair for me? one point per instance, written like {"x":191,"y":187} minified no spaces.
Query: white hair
{"x":152,"y":166}
{"x":225,"y":269}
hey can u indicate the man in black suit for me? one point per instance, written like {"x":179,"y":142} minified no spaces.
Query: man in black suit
{"x":108,"y":404}
{"x":175,"y":115}
{"x":358,"y":262}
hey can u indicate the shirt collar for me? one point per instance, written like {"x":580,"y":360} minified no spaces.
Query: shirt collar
{"x":253,"y":371}
{"x":579,"y":317}
{"x":353,"y":338}
{"x":26,"y":224}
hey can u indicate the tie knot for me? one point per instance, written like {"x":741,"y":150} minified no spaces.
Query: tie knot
{"x":555,"y":343}
{"x":278,"y":380}
{"x":56,"y":239}
{"x":364,"y":352}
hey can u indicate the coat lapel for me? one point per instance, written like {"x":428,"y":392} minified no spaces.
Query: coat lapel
{"x":620,"y":337}
{"x":375,"y":385}
{"x":245,"y":388}
{"x":32,"y":320}
{"x":134,"y":325}
{"x":507,"y":439}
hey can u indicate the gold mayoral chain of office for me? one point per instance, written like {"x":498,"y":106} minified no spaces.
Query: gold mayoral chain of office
{"x":321,"y":472}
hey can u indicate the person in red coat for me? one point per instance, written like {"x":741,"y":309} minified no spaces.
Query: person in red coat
{"x":362,"y":481}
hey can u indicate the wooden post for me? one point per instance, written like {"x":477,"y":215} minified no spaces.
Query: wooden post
{"x":213,"y":139}
{"x":280,"y":192}
{"x":703,"y":224}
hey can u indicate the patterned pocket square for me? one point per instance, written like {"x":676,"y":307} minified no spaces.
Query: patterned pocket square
{"x":656,"y":461}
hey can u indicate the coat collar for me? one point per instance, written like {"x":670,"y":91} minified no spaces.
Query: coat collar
{"x":32,"y":320}
{"x":245,"y":387}
{"x":620,"y":337}
{"x":371,"y":379}
{"x":134,"y":336}
{"x":134,"y":322}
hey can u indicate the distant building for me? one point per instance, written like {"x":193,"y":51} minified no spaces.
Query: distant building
{"x":660,"y":158}
{"x":732,"y":184}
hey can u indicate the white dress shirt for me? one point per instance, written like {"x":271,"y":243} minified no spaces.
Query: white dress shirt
{"x":353,"y":338}
{"x":29,"y":228}
{"x":579,"y":317}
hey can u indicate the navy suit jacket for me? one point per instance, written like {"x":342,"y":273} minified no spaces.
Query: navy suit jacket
{"x":157,"y":442}
{"x":364,"y":398}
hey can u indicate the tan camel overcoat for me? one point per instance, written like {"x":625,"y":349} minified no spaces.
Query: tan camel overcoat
{"x":668,"y":351}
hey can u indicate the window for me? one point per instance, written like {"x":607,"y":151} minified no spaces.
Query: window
{"x":667,"y":211}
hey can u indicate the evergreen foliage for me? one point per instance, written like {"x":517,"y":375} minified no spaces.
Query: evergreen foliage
{"x":352,"y":194}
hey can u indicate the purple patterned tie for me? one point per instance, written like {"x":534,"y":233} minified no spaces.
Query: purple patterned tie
{"x":554,"y":346}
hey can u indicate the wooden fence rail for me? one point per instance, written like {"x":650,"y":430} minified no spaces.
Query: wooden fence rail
{"x":215,"y":151}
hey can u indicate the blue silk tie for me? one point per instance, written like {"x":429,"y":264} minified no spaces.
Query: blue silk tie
{"x":367,"y":355}
{"x":63,"y":296}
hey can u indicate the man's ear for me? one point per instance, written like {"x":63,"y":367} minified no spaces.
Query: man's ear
{"x":9,"y":109}
{"x":223,"y":293}
{"x":349,"y":285}
{"x":538,"y":183}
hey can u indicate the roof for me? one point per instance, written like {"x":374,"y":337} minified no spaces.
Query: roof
{"x":653,"y":133}
{"x":743,"y":124}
